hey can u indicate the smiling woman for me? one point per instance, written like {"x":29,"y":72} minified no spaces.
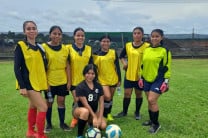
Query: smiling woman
{"x":58,"y":76}
{"x":30,"y":73}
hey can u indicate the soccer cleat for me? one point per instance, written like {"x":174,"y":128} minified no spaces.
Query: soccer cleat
{"x":48,"y":128}
{"x":73,"y":122}
{"x":109,"y":117}
{"x":137,"y":116}
{"x":65,"y":127}
{"x":30,"y":134}
{"x":121,"y":114}
{"x":154,"y":128}
{"x":147,"y":123}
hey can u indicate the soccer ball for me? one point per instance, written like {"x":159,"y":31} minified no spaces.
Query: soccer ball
{"x":113,"y":131}
{"x":93,"y":133}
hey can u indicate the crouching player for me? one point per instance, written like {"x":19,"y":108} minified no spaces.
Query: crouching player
{"x":90,"y":103}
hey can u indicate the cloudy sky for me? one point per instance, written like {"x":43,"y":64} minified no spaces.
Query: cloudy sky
{"x":173,"y":16}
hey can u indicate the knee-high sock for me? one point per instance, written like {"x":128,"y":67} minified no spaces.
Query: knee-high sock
{"x":111,"y":104}
{"x":155,"y":116}
{"x":81,"y":126}
{"x":31,"y":119}
{"x":106,"y":108}
{"x":138,"y":104}
{"x":48,"y":115}
{"x":61,"y":112}
{"x":40,"y":122}
{"x":126,"y":102}
{"x":150,"y":115}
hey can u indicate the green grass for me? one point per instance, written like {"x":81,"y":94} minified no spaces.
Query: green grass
{"x":183,"y":110}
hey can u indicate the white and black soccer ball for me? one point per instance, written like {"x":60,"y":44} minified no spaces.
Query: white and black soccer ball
{"x":93,"y":133}
{"x":113,"y":131}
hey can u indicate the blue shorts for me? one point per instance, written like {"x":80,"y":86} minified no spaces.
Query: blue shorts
{"x":131,"y":84}
{"x":60,"y":90}
{"x":153,"y":86}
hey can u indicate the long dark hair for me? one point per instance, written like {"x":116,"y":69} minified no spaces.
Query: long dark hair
{"x":78,"y":29}
{"x":105,"y":36}
{"x":91,"y":67}
{"x":53,"y":28}
{"x":159,"y":31}
{"x":141,"y":29}
{"x":24,"y":26}
{"x":26,"y":22}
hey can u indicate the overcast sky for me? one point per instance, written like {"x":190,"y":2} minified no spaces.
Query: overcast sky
{"x":173,"y":16}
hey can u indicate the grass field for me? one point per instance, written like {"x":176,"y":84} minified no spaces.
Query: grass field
{"x":183,"y":110}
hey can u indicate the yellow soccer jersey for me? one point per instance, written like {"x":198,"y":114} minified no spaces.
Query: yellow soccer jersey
{"x":77,"y":62}
{"x":134,"y":57}
{"x":107,"y":74}
{"x":57,"y":61}
{"x":35,"y":65}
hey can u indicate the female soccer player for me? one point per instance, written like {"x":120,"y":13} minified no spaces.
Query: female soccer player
{"x":90,"y":101}
{"x":133,"y":51}
{"x":80,"y":56}
{"x":155,"y":74}
{"x":109,"y":74}
{"x":58,"y":75}
{"x":29,"y":68}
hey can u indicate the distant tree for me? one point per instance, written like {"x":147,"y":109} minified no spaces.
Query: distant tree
{"x":66,"y":39}
{"x":19,"y":37}
{"x":40,"y":38}
{"x":11,"y":35}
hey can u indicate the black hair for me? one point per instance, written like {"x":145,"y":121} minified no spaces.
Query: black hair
{"x":159,"y":31}
{"x":91,"y":67}
{"x":139,"y":28}
{"x":26,"y":22}
{"x":78,"y":29}
{"x":105,"y":36}
{"x":55,"y":27}
{"x":24,"y":26}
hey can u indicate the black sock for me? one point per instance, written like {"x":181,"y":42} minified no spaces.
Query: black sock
{"x":150,"y":115}
{"x":155,"y":116}
{"x":81,"y":126}
{"x":61,"y":112}
{"x":111,"y":104}
{"x":138,"y":104}
{"x":106,"y":108}
{"x":48,"y":115}
{"x":126,"y":102}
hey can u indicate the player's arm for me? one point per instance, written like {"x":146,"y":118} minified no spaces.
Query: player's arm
{"x":122,"y":58}
{"x":118,"y":70}
{"x":68,"y":73}
{"x":168,"y":65}
{"x":18,"y":63}
{"x":101,"y":106}
{"x":91,"y":59}
{"x":164,"y":87}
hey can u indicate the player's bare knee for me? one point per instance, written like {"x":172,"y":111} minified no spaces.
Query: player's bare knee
{"x":84,"y":114}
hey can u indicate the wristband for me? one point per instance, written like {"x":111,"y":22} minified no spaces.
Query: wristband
{"x":166,"y":81}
